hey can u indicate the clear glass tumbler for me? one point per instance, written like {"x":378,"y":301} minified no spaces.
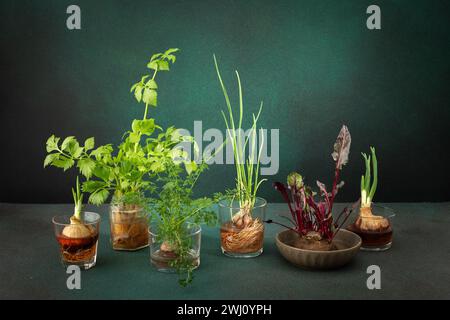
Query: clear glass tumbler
{"x":129,"y":226}
{"x":165,"y":249}
{"x":78,"y":241}
{"x":242,"y":230}
{"x":374,"y":239}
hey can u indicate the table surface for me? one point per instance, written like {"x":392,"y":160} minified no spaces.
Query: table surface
{"x":416,"y":267}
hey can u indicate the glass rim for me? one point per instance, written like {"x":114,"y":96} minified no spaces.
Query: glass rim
{"x":125,"y":211}
{"x":67,"y":217}
{"x":384,"y":212}
{"x":226,"y":203}
{"x":197,"y":229}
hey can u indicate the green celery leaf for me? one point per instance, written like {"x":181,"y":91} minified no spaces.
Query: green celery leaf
{"x":63,"y":162}
{"x":102,"y":150}
{"x":89,"y":143}
{"x":99,"y":197}
{"x":67,"y":143}
{"x":52,"y":143}
{"x":92,"y":186}
{"x":77,"y":151}
{"x":102,"y":172}
{"x":50,"y":158}
{"x":86,"y":167}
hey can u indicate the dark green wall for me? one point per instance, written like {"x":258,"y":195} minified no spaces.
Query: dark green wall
{"x":314,"y":63}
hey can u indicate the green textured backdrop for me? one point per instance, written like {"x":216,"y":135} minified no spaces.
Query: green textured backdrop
{"x":314,"y":63}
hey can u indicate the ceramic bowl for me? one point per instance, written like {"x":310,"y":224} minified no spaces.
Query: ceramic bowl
{"x":346,"y":242}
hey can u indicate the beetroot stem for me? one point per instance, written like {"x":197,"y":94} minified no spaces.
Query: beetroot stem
{"x":282,"y":225}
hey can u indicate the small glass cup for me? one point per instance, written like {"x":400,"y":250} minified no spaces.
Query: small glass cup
{"x":379,"y":240}
{"x":78,"y":241}
{"x":129,"y":226}
{"x":242,"y":235}
{"x":163,"y":253}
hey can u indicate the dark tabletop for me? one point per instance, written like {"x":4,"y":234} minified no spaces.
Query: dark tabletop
{"x":417,"y":265}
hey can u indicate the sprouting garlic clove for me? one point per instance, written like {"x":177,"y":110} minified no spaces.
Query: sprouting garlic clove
{"x":247,"y":220}
{"x":239,"y":223}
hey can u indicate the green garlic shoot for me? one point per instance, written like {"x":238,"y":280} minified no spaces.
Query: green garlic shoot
{"x":78,"y":201}
{"x":369,"y":187}
{"x":247,"y":171}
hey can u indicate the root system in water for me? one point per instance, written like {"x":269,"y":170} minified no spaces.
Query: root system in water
{"x":374,"y":230}
{"x":373,"y":238}
{"x":75,"y":250}
{"x":162,"y":259}
{"x":128,"y":230}
{"x":242,"y":237}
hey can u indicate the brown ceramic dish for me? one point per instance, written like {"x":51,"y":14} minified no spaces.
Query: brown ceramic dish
{"x":347,"y":244}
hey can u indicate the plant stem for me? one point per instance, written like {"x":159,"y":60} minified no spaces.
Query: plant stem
{"x":145,"y":112}
{"x":146,"y":105}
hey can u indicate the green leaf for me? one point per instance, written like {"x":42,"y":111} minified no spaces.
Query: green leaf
{"x":63,"y":162}
{"x":176,"y":135}
{"x":151,"y":84}
{"x":67,"y":142}
{"x":89,"y":143}
{"x":52,"y":143}
{"x":138,"y":93}
{"x":190,"y":167}
{"x":175,"y":153}
{"x":157,"y":167}
{"x":134,"y":137}
{"x":159,"y":148}
{"x":50,"y":158}
{"x":71,"y":146}
{"x":133,"y":87}
{"x":163,"y":65}
{"x":124,"y":185}
{"x":102,"y":150}
{"x":125,"y":167}
{"x":135,"y":125}
{"x":153,"y":65}
{"x":156,"y":55}
{"x":171,"y":50}
{"x":150,"y":97}
{"x":172,"y":58}
{"x":76,"y":150}
{"x":146,"y":96}
{"x":99,"y":197}
{"x":92,"y":186}
{"x":169,"y":185}
{"x":101,"y":172}
{"x":86,"y":167}
{"x":147,"y":127}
